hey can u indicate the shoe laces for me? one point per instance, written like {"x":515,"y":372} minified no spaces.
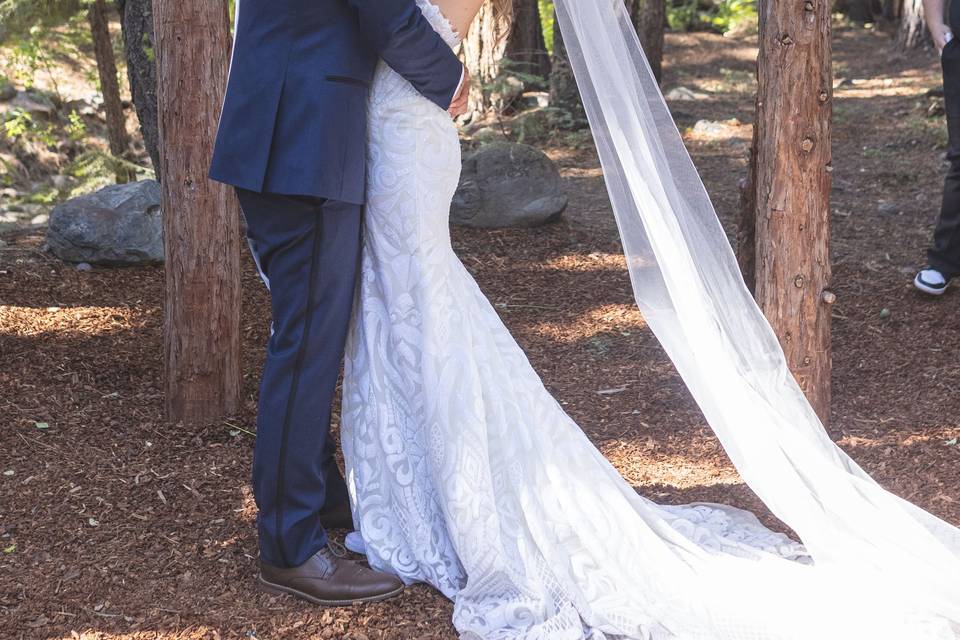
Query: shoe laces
{"x":337,"y":549}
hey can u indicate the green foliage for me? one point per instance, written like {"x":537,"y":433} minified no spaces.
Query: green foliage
{"x":96,"y":169}
{"x":682,"y":16}
{"x":18,"y":17}
{"x":20,"y":127}
{"x":6,"y":173}
{"x":77,"y":128}
{"x":510,"y":72}
{"x":147,"y":47}
{"x":732,"y":15}
{"x":35,"y":50}
{"x":546,"y":20}
{"x":722,"y":16}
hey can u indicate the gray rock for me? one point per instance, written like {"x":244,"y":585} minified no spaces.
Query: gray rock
{"x":888,"y":208}
{"x":713,"y":130}
{"x":7,"y":91}
{"x":508,"y":185}
{"x":539,"y":99}
{"x":683,"y":93}
{"x":62,"y":183}
{"x":118,"y":225}
{"x":488,"y":135}
{"x":36,"y":104}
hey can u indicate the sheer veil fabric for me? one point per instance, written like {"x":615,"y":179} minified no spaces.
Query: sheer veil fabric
{"x":898,"y":565}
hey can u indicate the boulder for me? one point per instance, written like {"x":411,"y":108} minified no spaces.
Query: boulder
{"x":508,"y":185}
{"x":888,"y":208}
{"x":118,"y":225}
{"x":683,"y":93}
{"x":7,"y":91}
{"x":34,"y":103}
{"x":716,"y":130}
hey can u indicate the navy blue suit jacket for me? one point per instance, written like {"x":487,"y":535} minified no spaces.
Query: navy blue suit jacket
{"x":295,"y":110}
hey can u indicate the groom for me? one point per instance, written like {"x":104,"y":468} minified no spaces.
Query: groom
{"x":292,"y":141}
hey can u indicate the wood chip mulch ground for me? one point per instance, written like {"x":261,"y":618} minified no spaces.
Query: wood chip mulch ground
{"x":116,"y":525}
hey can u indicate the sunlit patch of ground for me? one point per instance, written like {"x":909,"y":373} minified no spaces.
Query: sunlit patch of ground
{"x":62,"y":321}
{"x":622,"y":318}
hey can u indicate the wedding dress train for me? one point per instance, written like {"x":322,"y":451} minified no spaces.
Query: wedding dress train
{"x":467,"y":475}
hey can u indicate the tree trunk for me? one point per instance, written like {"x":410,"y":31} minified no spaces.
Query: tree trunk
{"x":650,"y":17}
{"x":483,"y":50}
{"x":912,"y":33}
{"x":792,"y":187}
{"x":137,"y":21}
{"x":860,"y":11}
{"x":526,"y":47}
{"x":891,"y":9}
{"x":564,"y":94}
{"x":201,"y":221}
{"x":746,"y":243}
{"x":109,"y":85}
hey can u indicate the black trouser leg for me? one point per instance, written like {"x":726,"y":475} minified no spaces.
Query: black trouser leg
{"x":308,"y":250}
{"x":944,"y":255}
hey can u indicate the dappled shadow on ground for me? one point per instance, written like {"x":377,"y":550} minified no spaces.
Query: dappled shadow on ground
{"x":119,"y":526}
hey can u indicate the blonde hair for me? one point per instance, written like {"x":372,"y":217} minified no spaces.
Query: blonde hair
{"x":503,"y":14}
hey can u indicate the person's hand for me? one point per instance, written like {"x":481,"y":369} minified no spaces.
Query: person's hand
{"x":459,"y":105}
{"x":941,"y":35}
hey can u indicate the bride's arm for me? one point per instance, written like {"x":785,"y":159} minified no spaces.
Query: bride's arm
{"x":407,"y":42}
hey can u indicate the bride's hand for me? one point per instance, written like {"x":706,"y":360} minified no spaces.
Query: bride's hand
{"x":459,"y":105}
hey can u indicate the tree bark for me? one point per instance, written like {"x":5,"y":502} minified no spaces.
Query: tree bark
{"x":650,"y":17}
{"x":746,"y":242}
{"x":912,"y":32}
{"x":138,"y":46}
{"x":483,"y":50}
{"x":891,"y":9}
{"x":109,"y":84}
{"x":564,"y":94}
{"x":201,"y":221}
{"x":526,"y":46}
{"x":792,"y":187}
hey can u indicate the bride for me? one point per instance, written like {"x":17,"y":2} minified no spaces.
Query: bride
{"x":467,"y":475}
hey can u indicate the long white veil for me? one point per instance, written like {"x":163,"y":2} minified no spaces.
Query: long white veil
{"x":689,"y":288}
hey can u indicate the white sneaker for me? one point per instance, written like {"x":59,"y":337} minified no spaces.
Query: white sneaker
{"x":931,"y":281}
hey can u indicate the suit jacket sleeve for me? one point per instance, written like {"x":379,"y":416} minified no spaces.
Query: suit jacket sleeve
{"x":407,"y":42}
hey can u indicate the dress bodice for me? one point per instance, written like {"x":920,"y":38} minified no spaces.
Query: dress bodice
{"x":439,"y":22}
{"x":389,"y":87}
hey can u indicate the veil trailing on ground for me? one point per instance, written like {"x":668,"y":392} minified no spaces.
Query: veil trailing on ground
{"x":687,"y":284}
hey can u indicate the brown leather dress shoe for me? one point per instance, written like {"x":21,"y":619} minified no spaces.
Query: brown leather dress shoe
{"x":329,"y":580}
{"x":337,"y":517}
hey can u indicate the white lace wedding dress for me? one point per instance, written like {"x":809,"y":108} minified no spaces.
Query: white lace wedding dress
{"x":467,"y":475}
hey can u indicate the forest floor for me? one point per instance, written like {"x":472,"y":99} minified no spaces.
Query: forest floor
{"x":116,"y":525}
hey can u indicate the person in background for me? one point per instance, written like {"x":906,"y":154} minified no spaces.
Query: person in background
{"x":943,"y":258}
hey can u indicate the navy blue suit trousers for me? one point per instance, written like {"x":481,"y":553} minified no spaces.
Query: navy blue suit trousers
{"x":308,"y":251}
